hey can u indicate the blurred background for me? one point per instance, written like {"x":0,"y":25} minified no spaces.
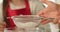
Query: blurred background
{"x":1,"y":1}
{"x":57,"y":1}
{"x":51,"y":0}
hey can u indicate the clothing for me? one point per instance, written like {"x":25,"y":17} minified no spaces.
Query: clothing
{"x":35,"y":7}
{"x":11,"y":13}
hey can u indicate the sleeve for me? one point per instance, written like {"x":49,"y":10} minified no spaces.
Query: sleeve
{"x":1,"y":13}
{"x":39,"y":6}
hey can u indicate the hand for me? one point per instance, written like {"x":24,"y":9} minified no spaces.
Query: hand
{"x":52,"y":11}
{"x":2,"y":26}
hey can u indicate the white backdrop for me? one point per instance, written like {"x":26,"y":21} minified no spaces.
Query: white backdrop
{"x":1,"y":1}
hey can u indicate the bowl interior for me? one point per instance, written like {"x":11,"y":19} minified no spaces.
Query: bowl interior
{"x":25,"y":21}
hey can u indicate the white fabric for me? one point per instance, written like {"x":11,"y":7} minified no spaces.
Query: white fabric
{"x":13,"y":7}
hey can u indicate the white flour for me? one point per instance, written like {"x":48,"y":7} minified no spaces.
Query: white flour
{"x":26,"y":25}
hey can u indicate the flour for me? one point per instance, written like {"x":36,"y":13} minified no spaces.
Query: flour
{"x":26,"y":25}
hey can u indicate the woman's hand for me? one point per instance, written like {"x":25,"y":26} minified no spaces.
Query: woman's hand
{"x":2,"y":26}
{"x":52,"y":11}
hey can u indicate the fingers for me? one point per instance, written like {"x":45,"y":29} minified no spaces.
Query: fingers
{"x":45,"y":21}
{"x":42,"y":12}
{"x":59,"y":21}
{"x":55,"y":21}
{"x":3,"y":24}
{"x":2,"y":27}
